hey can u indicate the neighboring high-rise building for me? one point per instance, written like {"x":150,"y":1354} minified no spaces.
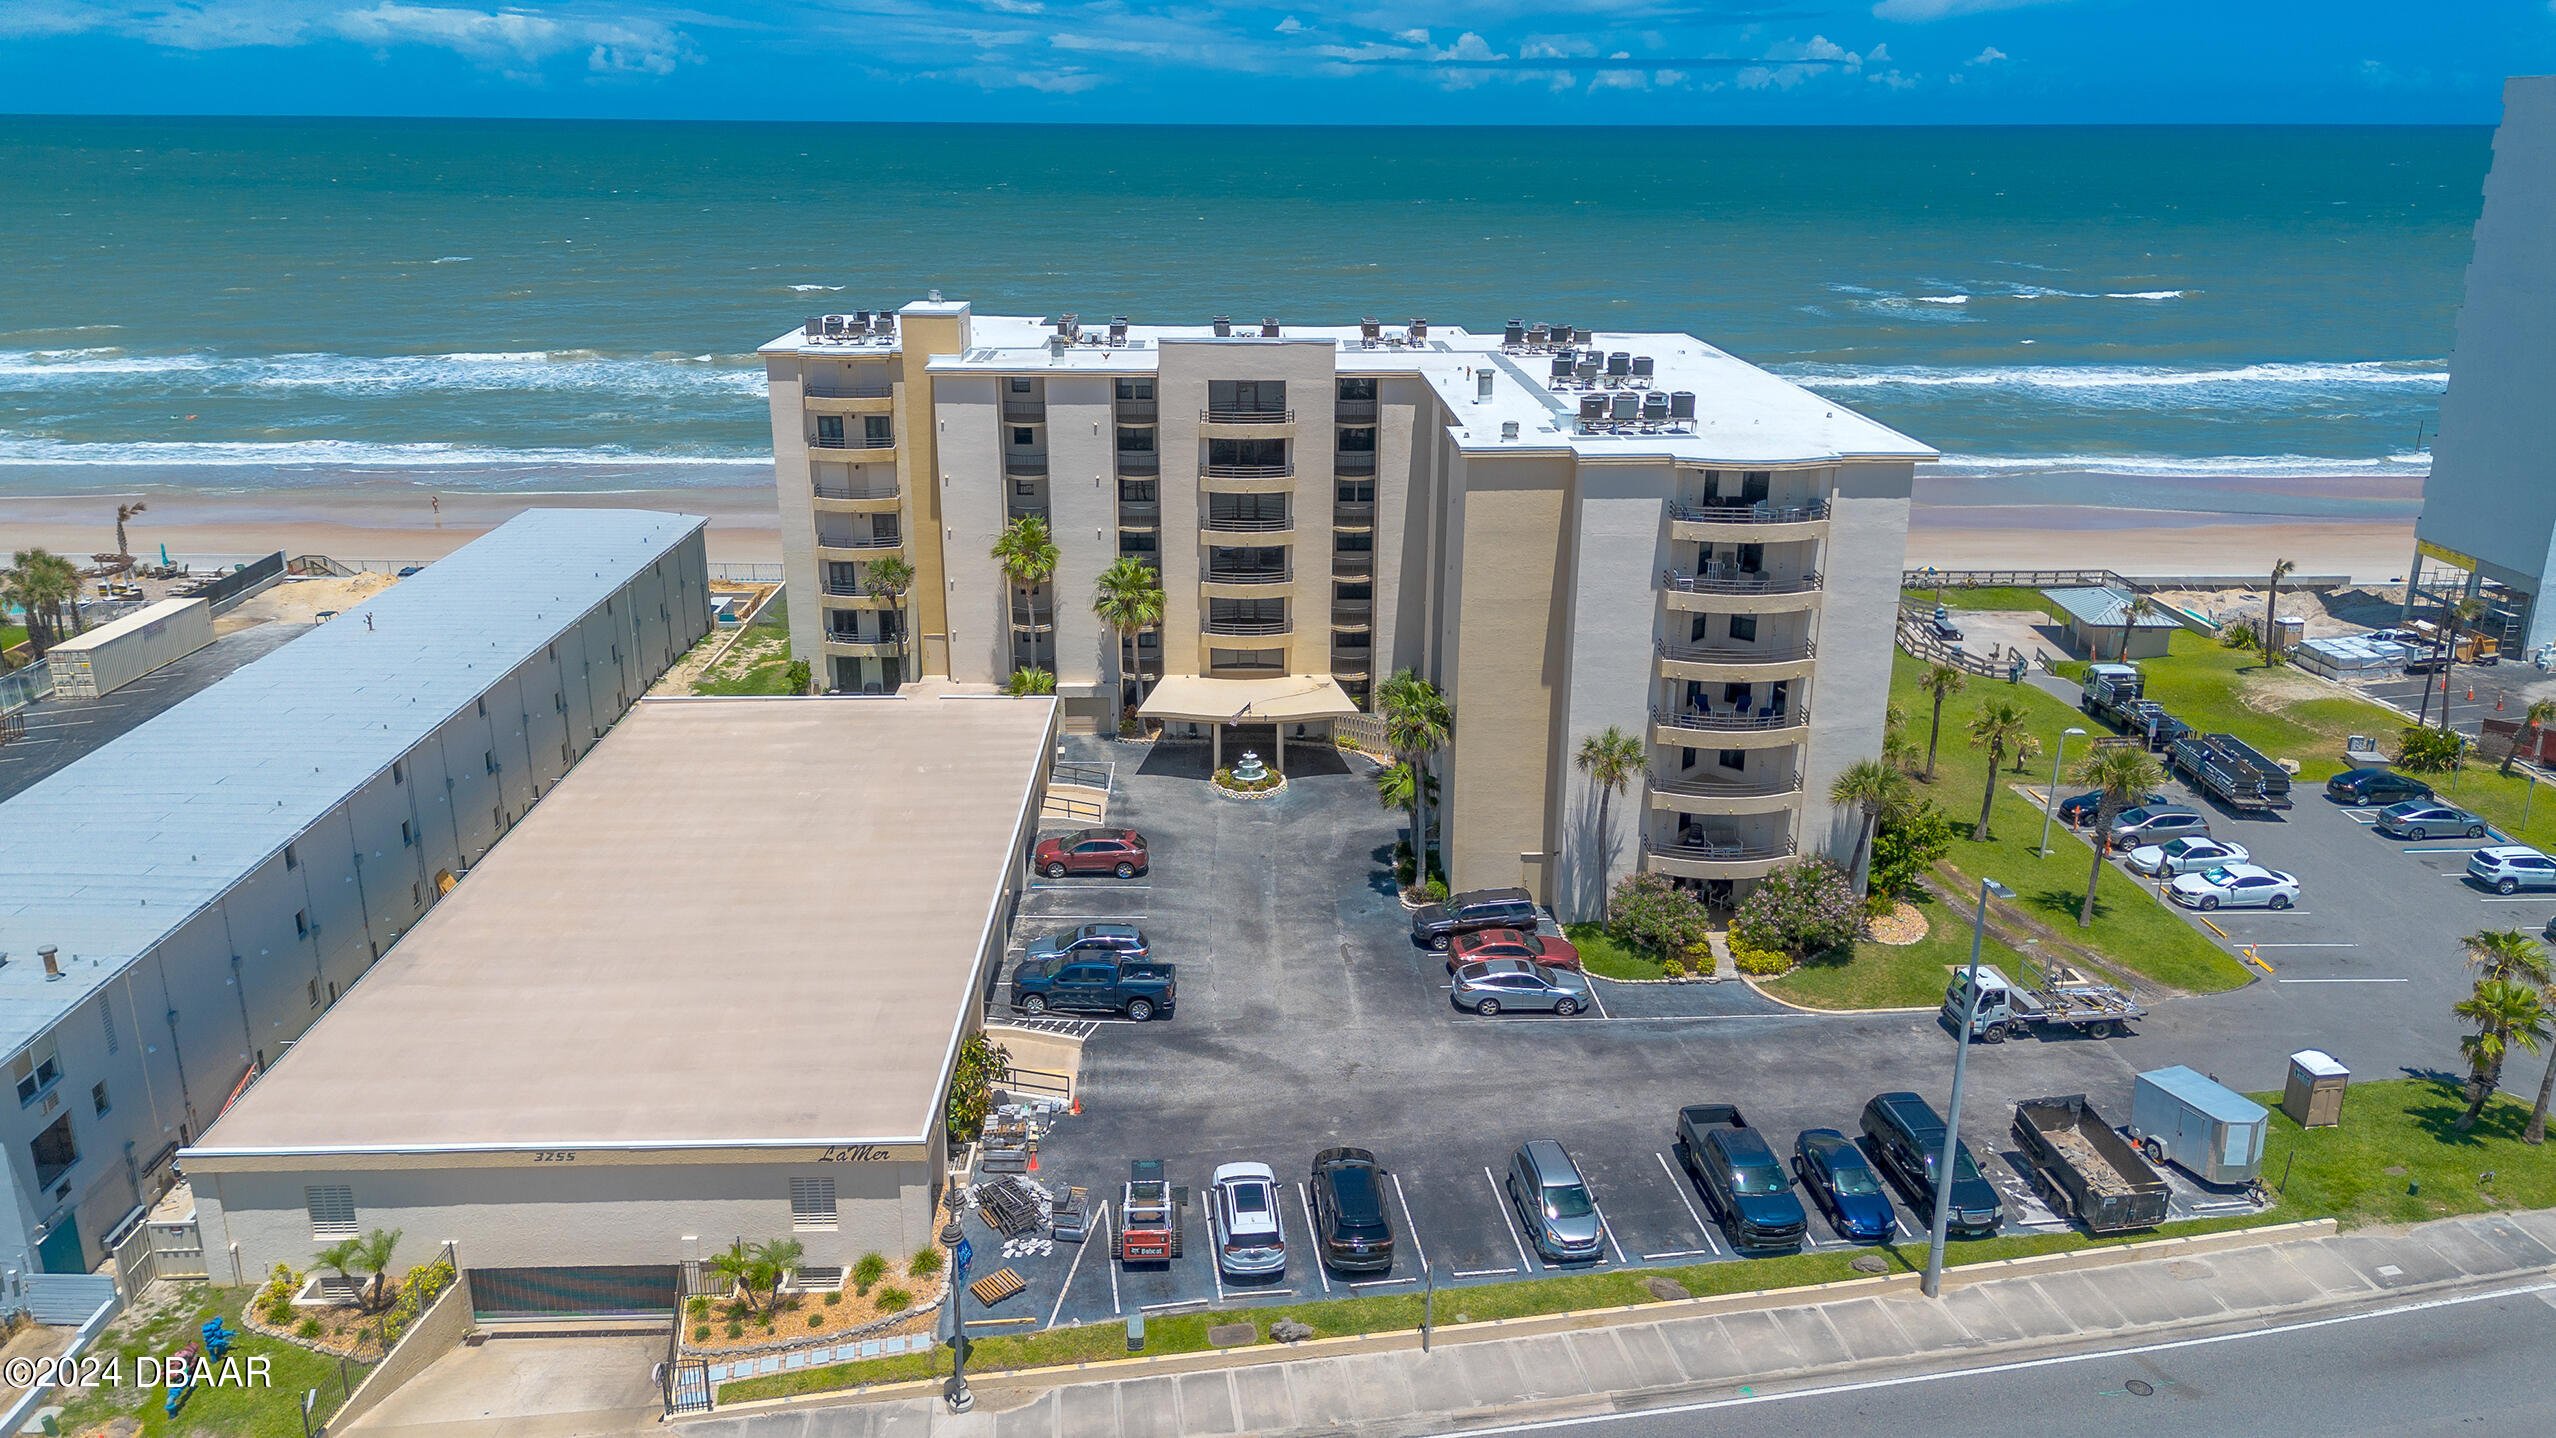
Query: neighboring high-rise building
{"x":1566,"y":532}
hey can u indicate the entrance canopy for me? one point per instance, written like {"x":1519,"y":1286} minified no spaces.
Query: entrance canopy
{"x":1291,"y":699}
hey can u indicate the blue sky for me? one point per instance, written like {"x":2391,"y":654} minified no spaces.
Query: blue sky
{"x":1119,"y":61}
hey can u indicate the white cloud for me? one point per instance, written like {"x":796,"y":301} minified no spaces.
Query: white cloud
{"x":1052,"y":82}
{"x":1988,"y":56}
{"x":515,"y":42}
{"x":1468,"y":46}
{"x":1289,"y":26}
{"x":1892,"y":79}
{"x":1017,"y":7}
{"x":1920,"y":11}
{"x":1618,"y":80}
{"x":1878,"y":55}
{"x":1421,"y":37}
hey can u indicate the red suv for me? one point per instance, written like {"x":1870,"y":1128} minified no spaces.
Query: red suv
{"x":1510,"y":944}
{"x":1091,"y":851}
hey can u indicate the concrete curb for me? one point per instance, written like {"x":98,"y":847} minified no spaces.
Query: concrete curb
{"x":1027,"y":1382}
{"x":1760,"y":990}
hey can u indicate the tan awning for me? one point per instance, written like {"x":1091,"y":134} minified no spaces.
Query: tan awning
{"x":1290,"y":699}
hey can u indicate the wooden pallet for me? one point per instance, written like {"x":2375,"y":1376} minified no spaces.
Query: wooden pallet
{"x":994,"y":1287}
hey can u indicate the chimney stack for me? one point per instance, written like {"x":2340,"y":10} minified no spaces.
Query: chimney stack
{"x":52,"y":956}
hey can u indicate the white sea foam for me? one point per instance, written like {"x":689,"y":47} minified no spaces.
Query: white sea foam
{"x":816,"y":289}
{"x":2149,"y":295}
{"x":2248,"y":466}
{"x":2310,"y":375}
{"x":18,"y":450}
{"x":1941,"y":299}
{"x":450,"y":260}
{"x":662,"y":375}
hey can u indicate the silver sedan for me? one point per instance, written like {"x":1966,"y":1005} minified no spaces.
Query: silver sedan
{"x":1496,"y":985}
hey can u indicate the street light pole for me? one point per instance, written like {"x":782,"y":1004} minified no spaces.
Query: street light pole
{"x":954,"y":1239}
{"x":2050,"y":803}
{"x":1945,"y":1162}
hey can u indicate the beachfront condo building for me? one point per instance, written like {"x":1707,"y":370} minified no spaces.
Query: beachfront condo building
{"x":2489,"y":513}
{"x":1568,"y":532}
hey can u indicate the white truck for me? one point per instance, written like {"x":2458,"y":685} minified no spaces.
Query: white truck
{"x":2064,"y":1000}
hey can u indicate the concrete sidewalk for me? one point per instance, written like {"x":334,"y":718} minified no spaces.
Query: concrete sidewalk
{"x":1630,"y":1364}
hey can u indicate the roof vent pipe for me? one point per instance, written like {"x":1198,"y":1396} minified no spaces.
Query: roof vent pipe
{"x":52,"y":956}
{"x":1508,"y":429}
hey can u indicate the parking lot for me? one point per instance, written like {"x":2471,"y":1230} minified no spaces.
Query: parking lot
{"x":1307,"y":1018}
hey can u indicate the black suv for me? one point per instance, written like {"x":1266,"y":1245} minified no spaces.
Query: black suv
{"x":1471,"y":912}
{"x":1350,"y":1227}
{"x":2376,"y":786}
{"x":1907,"y":1137}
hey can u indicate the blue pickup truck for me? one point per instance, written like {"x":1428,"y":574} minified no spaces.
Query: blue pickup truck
{"x":1095,"y":983}
{"x":1743,"y":1183}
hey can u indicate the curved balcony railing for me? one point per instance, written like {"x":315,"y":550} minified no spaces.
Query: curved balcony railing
{"x":1735,"y":653}
{"x":1138,"y":411}
{"x":848,"y":391}
{"x":1250,"y":576}
{"x":1024,"y":412}
{"x":1244,"y":523}
{"x":856,"y":491}
{"x":852,"y":441}
{"x":1353,"y":564}
{"x":1747,"y":786}
{"x":859,"y":541}
{"x":1749,"y":513}
{"x":1730,"y":723}
{"x":1356,"y":464}
{"x":1025,"y":466}
{"x":1246,"y":628}
{"x":1354,"y":411}
{"x":1139,"y":462}
{"x":1214,"y":415}
{"x":1247,"y":471}
{"x":1738,"y":583}
{"x":1709,"y":852}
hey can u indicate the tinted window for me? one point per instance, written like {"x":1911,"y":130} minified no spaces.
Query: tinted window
{"x":1567,"y":1201}
{"x":1857,"y":1179}
{"x":1759,"y":1178}
{"x":1354,"y":1191}
{"x":1250,"y":1198}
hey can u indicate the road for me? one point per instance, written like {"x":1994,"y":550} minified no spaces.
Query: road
{"x":2466,"y":1364}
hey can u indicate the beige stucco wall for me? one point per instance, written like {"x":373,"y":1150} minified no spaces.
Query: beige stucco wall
{"x":793,"y":486}
{"x":968,"y":436}
{"x":1503,"y":667}
{"x":922,"y":336}
{"x":1619,"y":546}
{"x":1859,"y":608}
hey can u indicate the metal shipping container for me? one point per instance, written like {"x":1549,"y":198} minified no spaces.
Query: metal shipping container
{"x":2209,"y":1130}
{"x":107,"y":658}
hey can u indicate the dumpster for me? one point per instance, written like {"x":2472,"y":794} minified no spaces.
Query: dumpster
{"x":2314,"y":1095}
{"x":2201,"y":1126}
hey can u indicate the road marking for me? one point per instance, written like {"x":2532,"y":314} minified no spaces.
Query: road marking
{"x":1482,"y":1272}
{"x":1901,"y":1220}
{"x":2213,"y":928}
{"x":1681,"y":1253}
{"x":2303,"y":946}
{"x":2464,"y":849}
{"x":1608,"y":1229}
{"x":1408,"y":1223}
{"x":1678,"y":1186}
{"x":2347,"y":981}
{"x":1868,"y":1385}
{"x":1167,"y":1307}
{"x":1056,"y":886}
{"x":1313,"y":1238}
{"x":1215,"y":1255}
{"x":1114,"y":1309}
{"x":1601,"y":1003}
{"x":2518,"y":899}
{"x":1501,"y":1200}
{"x":1071,"y":1269}
{"x":1382,"y":1282}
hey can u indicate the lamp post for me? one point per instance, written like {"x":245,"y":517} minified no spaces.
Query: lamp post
{"x":1946,"y":1162}
{"x":2050,"y":803}
{"x":954,"y":1239}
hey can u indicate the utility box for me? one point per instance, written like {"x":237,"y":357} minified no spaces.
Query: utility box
{"x":2314,"y":1096}
{"x":95,"y":664}
{"x":2200,"y":1125}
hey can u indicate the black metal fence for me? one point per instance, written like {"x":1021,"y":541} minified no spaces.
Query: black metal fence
{"x":242,"y":580}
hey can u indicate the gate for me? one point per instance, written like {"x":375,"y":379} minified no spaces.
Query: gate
{"x":687,"y":1386}
{"x":503,"y":1294}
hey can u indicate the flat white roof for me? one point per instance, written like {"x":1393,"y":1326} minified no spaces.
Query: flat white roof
{"x":736,"y":923}
{"x":1743,"y":415}
{"x":135,"y":622}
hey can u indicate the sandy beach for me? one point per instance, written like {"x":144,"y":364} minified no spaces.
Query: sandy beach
{"x":2140,"y":542}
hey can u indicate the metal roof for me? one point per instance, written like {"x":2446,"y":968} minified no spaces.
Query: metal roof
{"x":2212,"y":1098}
{"x":2103,"y":607}
{"x":109,"y":855}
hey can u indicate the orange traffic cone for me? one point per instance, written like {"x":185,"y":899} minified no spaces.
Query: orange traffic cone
{"x":1077,"y":1110}
{"x":1033,"y":1162}
{"x":2471,"y":693}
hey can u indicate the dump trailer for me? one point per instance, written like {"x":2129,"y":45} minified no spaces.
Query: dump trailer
{"x":2062,"y":999}
{"x":2084,"y":1170}
{"x":2231,"y":770}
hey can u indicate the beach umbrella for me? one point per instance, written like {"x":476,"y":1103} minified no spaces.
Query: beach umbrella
{"x":164,"y":556}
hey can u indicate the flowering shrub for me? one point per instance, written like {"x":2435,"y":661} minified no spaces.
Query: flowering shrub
{"x":1801,"y":910}
{"x":1647,"y":911}
{"x":1761,"y":963}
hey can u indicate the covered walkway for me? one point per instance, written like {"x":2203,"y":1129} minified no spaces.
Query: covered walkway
{"x":1277,"y":701}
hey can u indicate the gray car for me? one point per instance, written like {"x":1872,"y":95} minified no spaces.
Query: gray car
{"x":2422,"y":818}
{"x":1091,"y":941}
{"x":2156,"y":823}
{"x":1494,"y":985}
{"x":1553,"y":1203}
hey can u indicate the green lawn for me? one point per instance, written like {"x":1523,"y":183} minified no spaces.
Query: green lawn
{"x":1867,"y":975}
{"x":1601,"y":954}
{"x":272,"y":1411}
{"x":2395,"y":1158}
{"x":12,"y":635}
{"x":2008,"y":599}
{"x":1345,"y":1317}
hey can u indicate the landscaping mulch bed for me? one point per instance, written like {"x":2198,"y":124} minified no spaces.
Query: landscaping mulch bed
{"x":1899,"y":928}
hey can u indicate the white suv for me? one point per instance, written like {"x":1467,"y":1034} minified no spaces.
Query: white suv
{"x":2506,"y":867}
{"x":1242,"y":1209}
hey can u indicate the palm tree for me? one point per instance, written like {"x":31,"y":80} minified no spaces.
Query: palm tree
{"x":1128,"y":597}
{"x":1898,"y":745}
{"x":2532,"y":722}
{"x":40,"y":582}
{"x":1030,"y":679}
{"x":1611,"y":758}
{"x":2462,"y":615}
{"x":2505,"y":956}
{"x":1418,"y":724}
{"x":2506,"y":1016}
{"x":370,"y":1254}
{"x":2272,"y":612}
{"x":1995,"y":727}
{"x":1028,"y":554}
{"x":891,"y":578}
{"x":2027,"y":749}
{"x":2140,"y":607}
{"x":2124,"y":773}
{"x":1943,"y":681}
{"x":742,"y":1266}
{"x":1878,"y":788}
{"x":124,"y":512}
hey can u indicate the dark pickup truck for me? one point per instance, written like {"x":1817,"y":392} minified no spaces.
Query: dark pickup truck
{"x":1742,"y":1180}
{"x":1095,"y":984}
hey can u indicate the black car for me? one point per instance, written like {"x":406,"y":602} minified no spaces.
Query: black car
{"x":1907,"y":1138}
{"x":2375,"y":786}
{"x":1350,"y":1227}
{"x":2078,"y":812}
{"x":1471,"y":912}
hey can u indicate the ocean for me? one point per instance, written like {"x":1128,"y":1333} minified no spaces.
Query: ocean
{"x":2250,"y":320}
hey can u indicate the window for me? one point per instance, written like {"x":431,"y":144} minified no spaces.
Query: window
{"x":488,"y":758}
{"x":291,"y":859}
{"x":1023,"y":434}
{"x":1247,"y":396}
{"x":98,"y":1099}
{"x":483,"y":706}
{"x":1355,"y":493}
{"x":407,"y":835}
{"x":1357,"y":543}
{"x":106,"y":1012}
{"x":812,"y":1205}
{"x":1020,"y":385}
{"x":399,"y":772}
{"x":301,"y":923}
{"x":1141,"y":546}
{"x":332,"y":1207}
{"x":1685,"y":758}
{"x":878,"y":428}
{"x":1135,"y":440}
{"x":1135,"y":389}
{"x":1732,"y":758}
{"x":37,"y":1071}
{"x":314,"y":988}
{"x":1362,"y":388}
{"x":830,"y":427}
{"x":1696,"y":630}
{"x":1025,"y":488}
{"x":54,"y":1152}
{"x":1744,"y":628}
{"x":1358,"y":441}
{"x":1271,"y":660}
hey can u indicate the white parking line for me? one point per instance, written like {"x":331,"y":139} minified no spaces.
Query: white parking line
{"x":1408,"y":1224}
{"x":1600,"y":1002}
{"x":1500,"y":1200}
{"x":2345,"y":981}
{"x":1113,"y":1267}
{"x":1678,"y":1187}
{"x":1168,"y":1307}
{"x":1071,"y":1269}
{"x":1053,"y":886}
{"x":2518,"y":899}
{"x":1311,"y":1240}
{"x":1483,"y":1272}
{"x":2463,"y":849}
{"x":2304,"y":946}
{"x":1905,"y":1231}
{"x":1609,"y":1230}
{"x":1381,"y":1283}
{"x":1681,"y":1253}
{"x":1215,"y":1259}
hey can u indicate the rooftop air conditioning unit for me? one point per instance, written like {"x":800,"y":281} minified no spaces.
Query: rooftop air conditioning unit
{"x":1224,"y":327}
{"x":1419,"y":331}
{"x":1682,"y":404}
{"x":1370,"y":330}
{"x":1269,"y":329}
{"x":1482,"y":385}
{"x":1515,"y":334}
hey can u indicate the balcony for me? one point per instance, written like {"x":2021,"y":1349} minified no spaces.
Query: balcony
{"x":856,"y":498}
{"x":1247,"y":628}
{"x":1694,"y":729}
{"x":1025,"y":466}
{"x":1140,"y":514}
{"x":1354,"y":463}
{"x":1019,"y":508}
{"x":858,"y":647}
{"x":879,"y":398}
{"x":880,"y":389}
{"x":1707,"y":859}
{"x":1749,"y":523}
{"x":1214,"y":523}
{"x":1733,"y":661}
{"x":1247,"y":580}
{"x":1033,"y":618}
{"x":1723,"y":792}
{"x":852,"y":441}
{"x":1736,"y":591}
{"x":856,"y":597}
{"x":1138,"y":411}
{"x":1354,"y":411}
{"x":859,"y":543}
{"x":1247,"y":471}
{"x":1357,"y":565}
{"x":1215,"y":415}
{"x":1138,"y":462}
{"x":1024,"y":411}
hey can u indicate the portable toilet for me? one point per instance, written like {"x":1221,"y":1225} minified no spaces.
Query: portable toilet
{"x":2314,"y":1096}
{"x":2205,"y":1128}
